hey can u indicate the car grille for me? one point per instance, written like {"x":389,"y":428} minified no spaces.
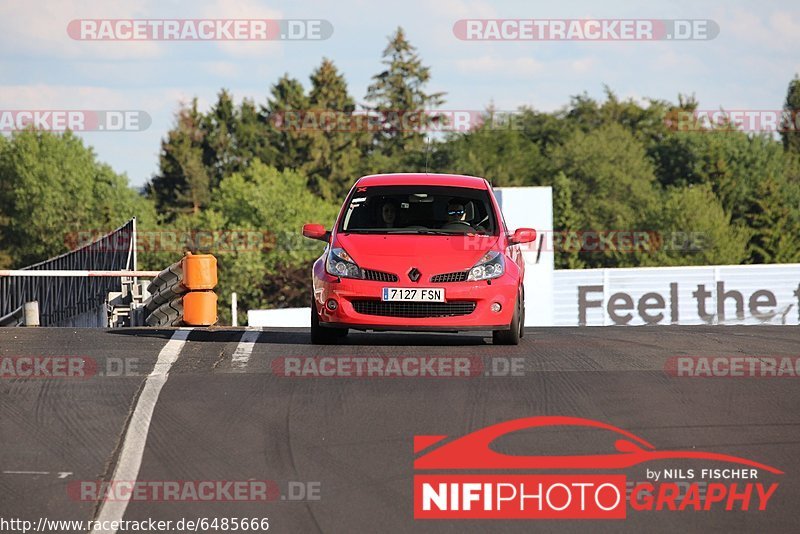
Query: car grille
{"x":413,"y":309}
{"x":458,"y":276}
{"x":379,"y":276}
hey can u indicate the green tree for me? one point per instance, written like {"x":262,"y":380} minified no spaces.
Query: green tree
{"x":277,"y":203}
{"x":184,"y":182}
{"x":695,"y":230}
{"x":774,"y":219}
{"x":546,"y":130}
{"x":397,"y":94}
{"x":731,"y":162}
{"x":613,"y":184}
{"x":219,"y":144}
{"x":497,"y":151}
{"x":789,"y":126}
{"x":286,"y":141}
{"x":333,"y":152}
{"x":53,"y":191}
{"x":647,"y":124}
{"x":5,"y":217}
{"x":566,"y":223}
{"x":249,"y":136}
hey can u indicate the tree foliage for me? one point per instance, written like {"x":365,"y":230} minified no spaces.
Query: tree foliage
{"x":397,"y":93}
{"x":52,"y":191}
{"x":275,"y":204}
{"x":791,"y":121}
{"x":334,"y":150}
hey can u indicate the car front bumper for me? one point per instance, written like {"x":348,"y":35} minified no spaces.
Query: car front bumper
{"x":346,"y":291}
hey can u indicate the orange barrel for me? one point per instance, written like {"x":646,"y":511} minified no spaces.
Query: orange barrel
{"x":199,"y":272}
{"x":200,"y":308}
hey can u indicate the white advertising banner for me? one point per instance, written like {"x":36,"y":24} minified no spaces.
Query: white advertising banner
{"x":532,"y":207}
{"x":738,"y":294}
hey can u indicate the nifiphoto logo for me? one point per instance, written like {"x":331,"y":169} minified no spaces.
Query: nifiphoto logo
{"x":460,"y":478}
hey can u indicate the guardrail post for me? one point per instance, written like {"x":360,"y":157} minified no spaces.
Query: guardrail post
{"x":31,"y":313}
{"x":234,"y":309}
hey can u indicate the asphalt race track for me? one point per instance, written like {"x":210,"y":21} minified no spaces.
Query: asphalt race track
{"x":223,"y":415}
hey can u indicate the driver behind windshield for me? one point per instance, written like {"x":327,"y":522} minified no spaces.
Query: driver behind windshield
{"x":389,"y":213}
{"x":455,"y":212}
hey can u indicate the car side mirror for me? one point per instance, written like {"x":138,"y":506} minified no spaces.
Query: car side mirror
{"x":523,"y":235}
{"x":316,"y":231}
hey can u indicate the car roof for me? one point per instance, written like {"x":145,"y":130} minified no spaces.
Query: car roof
{"x":452,"y":180}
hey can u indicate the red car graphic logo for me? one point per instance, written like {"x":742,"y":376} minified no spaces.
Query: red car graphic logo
{"x":473,"y":451}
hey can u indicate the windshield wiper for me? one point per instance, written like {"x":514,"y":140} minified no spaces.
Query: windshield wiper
{"x":432,"y":232}
{"x":409,"y":231}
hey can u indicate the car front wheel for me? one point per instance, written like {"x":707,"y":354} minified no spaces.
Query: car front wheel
{"x":514,"y":332}
{"x":321,"y":335}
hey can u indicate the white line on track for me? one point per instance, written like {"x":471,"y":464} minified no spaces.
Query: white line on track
{"x":130,"y":457}
{"x":61,"y":474}
{"x":245,"y":348}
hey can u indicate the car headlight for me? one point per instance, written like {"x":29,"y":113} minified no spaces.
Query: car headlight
{"x":339,"y":263}
{"x":491,"y":265}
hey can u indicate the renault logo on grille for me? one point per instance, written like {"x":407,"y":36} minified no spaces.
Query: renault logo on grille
{"x":414,"y":274}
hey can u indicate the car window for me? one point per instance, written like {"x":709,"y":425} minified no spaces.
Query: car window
{"x":502,"y":217}
{"x":418,"y":209}
{"x":562,"y":440}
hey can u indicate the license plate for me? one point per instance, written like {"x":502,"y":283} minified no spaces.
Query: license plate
{"x":415,"y":294}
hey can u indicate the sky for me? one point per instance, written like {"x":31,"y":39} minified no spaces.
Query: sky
{"x":746,"y":67}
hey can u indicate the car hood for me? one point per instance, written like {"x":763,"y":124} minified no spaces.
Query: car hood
{"x":431,"y":254}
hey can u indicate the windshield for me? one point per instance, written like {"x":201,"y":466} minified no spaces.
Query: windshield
{"x":419,"y":210}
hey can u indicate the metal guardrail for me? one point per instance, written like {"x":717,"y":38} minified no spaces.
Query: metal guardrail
{"x":62,"y":298}
{"x":79,"y":273}
{"x":15,"y":318}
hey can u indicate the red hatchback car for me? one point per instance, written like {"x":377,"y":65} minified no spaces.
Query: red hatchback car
{"x":419,"y":252}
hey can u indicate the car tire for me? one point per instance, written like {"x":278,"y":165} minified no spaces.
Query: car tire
{"x":512,"y":335}
{"x":321,"y":335}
